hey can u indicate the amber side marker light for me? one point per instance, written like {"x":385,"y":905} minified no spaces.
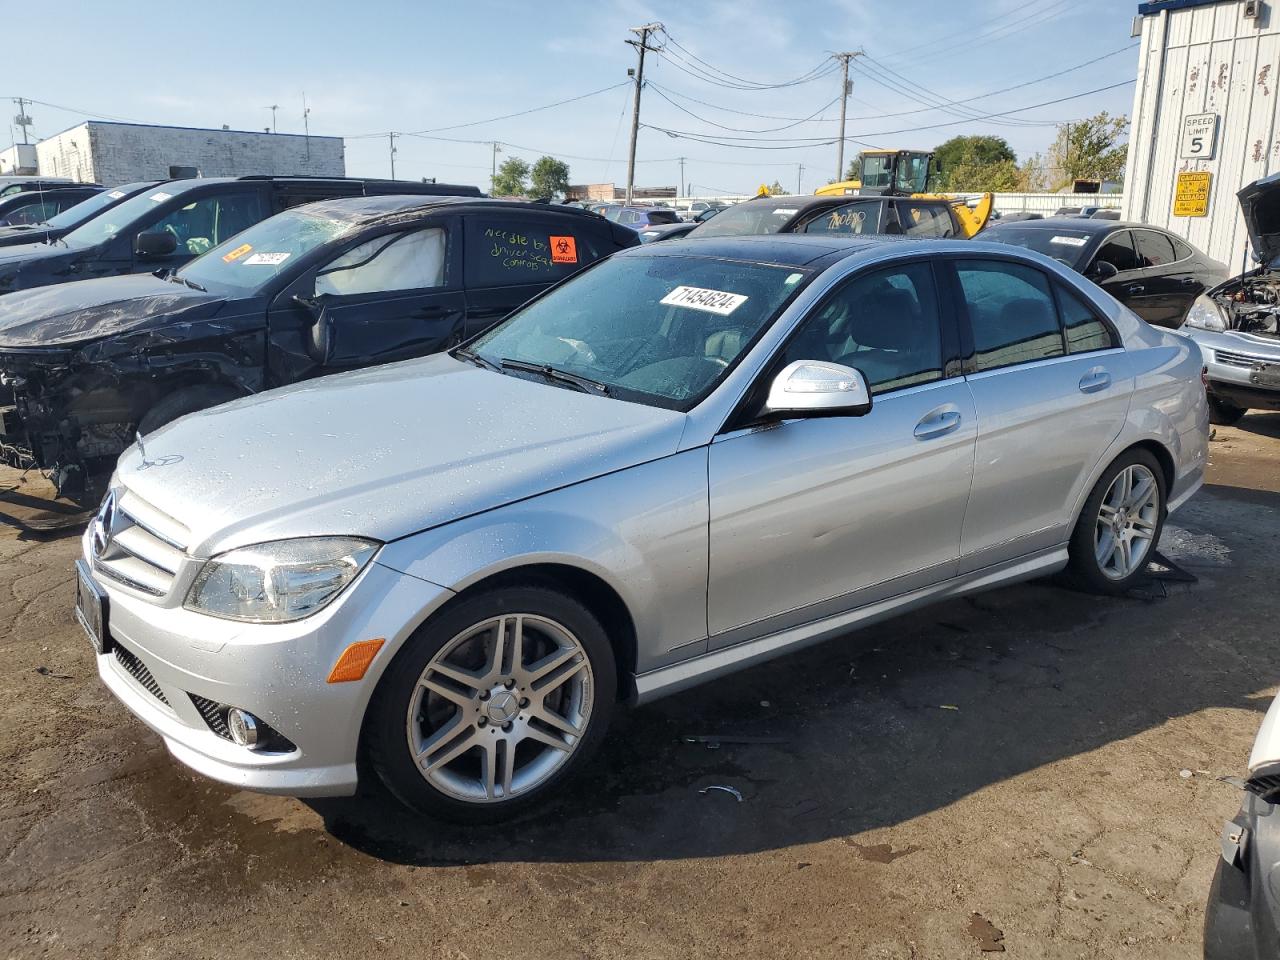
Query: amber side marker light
{"x":355,"y":661}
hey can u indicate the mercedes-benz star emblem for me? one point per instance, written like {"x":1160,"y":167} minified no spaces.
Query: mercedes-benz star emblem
{"x":103,"y":525}
{"x":164,"y":461}
{"x":503,"y":707}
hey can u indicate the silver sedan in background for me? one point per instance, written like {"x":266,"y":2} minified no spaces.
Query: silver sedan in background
{"x":691,"y":457}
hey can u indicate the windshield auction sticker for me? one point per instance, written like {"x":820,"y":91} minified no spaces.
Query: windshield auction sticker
{"x":237,"y":253}
{"x":266,"y":259}
{"x":160,"y":197}
{"x":698,"y":298}
{"x":1071,"y":241}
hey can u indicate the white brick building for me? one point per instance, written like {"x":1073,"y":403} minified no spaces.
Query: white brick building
{"x":114,"y":153}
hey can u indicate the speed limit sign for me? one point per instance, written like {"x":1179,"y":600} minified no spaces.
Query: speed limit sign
{"x":1199,"y":136}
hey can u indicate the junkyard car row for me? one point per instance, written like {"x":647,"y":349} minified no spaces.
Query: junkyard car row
{"x":422,"y":484}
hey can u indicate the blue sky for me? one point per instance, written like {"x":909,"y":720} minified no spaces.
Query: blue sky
{"x":379,"y":66}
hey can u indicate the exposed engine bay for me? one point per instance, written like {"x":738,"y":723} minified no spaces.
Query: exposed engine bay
{"x":1252,"y":304}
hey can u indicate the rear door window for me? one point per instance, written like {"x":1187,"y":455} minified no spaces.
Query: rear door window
{"x":1118,"y":251}
{"x":1154,"y":249}
{"x":849,"y":220}
{"x":506,"y":251}
{"x":1084,"y":328}
{"x":1011,"y":312}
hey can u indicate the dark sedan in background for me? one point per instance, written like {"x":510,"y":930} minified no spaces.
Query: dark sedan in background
{"x":31,"y":207}
{"x":63,"y":221}
{"x":1153,"y":272}
{"x":843,"y":216}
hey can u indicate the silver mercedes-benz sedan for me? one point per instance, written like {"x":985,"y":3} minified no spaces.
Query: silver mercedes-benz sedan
{"x":689,"y":458}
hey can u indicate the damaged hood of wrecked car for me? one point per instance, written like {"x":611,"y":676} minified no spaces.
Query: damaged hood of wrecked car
{"x":384,"y":453}
{"x":1260,"y":204}
{"x":67,"y":314}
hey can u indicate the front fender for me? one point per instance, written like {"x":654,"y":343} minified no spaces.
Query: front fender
{"x":642,"y":530}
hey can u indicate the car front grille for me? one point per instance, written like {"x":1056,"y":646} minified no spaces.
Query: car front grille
{"x":1233,"y":359}
{"x":214,"y":714}
{"x":145,"y":546}
{"x":135,"y":668}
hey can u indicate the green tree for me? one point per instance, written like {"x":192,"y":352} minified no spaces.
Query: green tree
{"x":972,"y":163}
{"x":1089,"y":149}
{"x":550,"y":178}
{"x":777,"y":189}
{"x":510,"y":180}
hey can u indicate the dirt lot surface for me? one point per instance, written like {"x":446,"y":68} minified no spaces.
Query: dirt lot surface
{"x":1032,"y":769}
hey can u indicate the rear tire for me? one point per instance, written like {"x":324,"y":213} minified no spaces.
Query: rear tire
{"x":492,"y":704}
{"x":1223,"y":413}
{"x":180,"y":403}
{"x":1119,"y":527}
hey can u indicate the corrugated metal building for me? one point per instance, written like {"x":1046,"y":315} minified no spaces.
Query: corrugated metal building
{"x":1206,"y":102}
{"x":114,"y":153}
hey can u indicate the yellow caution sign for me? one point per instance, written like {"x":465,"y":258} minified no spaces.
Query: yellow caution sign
{"x":1191,"y":197}
{"x":763,"y":191}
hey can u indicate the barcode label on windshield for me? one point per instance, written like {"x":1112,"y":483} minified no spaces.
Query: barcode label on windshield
{"x":1071,"y":241}
{"x":699,"y":298}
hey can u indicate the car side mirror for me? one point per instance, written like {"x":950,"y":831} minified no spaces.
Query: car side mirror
{"x":816,"y":388}
{"x":155,"y":244}
{"x":320,"y":334}
{"x":1102,"y":271}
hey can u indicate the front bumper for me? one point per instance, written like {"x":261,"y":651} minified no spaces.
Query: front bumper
{"x":275,"y":671}
{"x":1229,"y":358}
{"x":1243,"y":911}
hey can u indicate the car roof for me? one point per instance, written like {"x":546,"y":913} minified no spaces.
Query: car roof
{"x":397,"y":206}
{"x":1082,"y":224}
{"x":785,"y":249}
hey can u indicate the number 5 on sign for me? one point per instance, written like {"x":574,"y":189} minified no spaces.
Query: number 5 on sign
{"x":1191,"y":196}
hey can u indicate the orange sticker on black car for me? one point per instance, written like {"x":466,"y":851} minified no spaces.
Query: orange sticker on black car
{"x":564,"y":250}
{"x":237,"y":253}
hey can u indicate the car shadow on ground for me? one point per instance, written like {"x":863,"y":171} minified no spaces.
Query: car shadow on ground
{"x":886,"y":724}
{"x":1261,"y":423}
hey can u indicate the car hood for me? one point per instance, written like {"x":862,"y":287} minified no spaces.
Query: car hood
{"x":66,"y":314}
{"x":1260,"y":204}
{"x":384,"y":453}
{"x":1266,"y":746}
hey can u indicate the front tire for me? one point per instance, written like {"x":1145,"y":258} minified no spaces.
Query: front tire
{"x":1119,"y":528}
{"x":1223,"y":413}
{"x":492,"y":704}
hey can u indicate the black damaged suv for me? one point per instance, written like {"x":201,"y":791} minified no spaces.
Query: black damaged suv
{"x":317,"y":289}
{"x":178,"y":221}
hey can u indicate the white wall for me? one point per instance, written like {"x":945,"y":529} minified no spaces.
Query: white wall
{"x":1205,"y":59}
{"x":112,"y":153}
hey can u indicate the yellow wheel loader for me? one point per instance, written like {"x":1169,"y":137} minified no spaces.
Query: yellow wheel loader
{"x":908,"y":173}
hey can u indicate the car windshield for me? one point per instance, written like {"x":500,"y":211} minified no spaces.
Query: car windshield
{"x":82,"y":211}
{"x":107,"y":224}
{"x":248,"y":261}
{"x":1067,"y":246}
{"x":749,"y":219}
{"x":656,"y":329}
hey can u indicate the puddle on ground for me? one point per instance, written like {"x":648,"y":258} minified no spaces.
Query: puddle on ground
{"x":1182,"y":546}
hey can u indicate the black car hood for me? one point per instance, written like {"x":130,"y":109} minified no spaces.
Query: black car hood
{"x":1260,"y":203}
{"x":66,"y":314}
{"x":26,"y":235}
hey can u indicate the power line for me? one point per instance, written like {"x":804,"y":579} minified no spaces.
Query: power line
{"x":711,"y":70}
{"x":1035,"y":18}
{"x":659,"y":91}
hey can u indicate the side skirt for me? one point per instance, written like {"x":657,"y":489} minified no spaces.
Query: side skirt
{"x":680,"y":676}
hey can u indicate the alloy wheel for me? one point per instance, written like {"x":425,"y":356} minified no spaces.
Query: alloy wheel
{"x":500,"y":708}
{"x":1128,"y":518}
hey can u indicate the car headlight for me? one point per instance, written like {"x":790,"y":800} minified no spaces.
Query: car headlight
{"x":1205,"y":314}
{"x":279,"y":581}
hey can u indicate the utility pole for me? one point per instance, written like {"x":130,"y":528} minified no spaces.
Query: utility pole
{"x":799,"y":177}
{"x":392,"y":138}
{"x":273,"y":108}
{"x":641,"y":46}
{"x":22,"y":119}
{"x":682,"y":190}
{"x":306,"y":124}
{"x":846,"y":88}
{"x":493,"y":173}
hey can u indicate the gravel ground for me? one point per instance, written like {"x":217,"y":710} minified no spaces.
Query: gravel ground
{"x":1033,"y":769}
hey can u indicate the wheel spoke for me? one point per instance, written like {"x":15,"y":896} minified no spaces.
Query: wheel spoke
{"x":1105,"y":547}
{"x":1139,"y":496}
{"x":466,"y":678}
{"x":493,"y":669}
{"x":541,"y":736}
{"x":1124,"y":485}
{"x":1144,"y":526}
{"x":1106,"y":512}
{"x":1126,"y":556}
{"x":508,"y":769}
{"x":554,"y":720}
{"x":449,"y":693}
{"x":455,"y":749}
{"x":489,"y":767}
{"x":550,"y":662}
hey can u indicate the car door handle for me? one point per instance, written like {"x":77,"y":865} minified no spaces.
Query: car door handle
{"x":1095,"y":380}
{"x":937,"y":424}
{"x":1135,"y":288}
